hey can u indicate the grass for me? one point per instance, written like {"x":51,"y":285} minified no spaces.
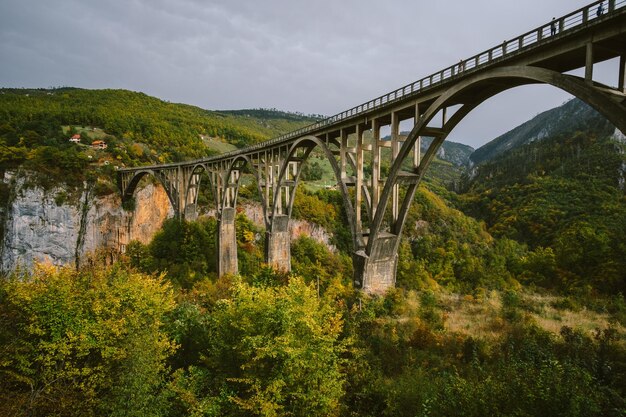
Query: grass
{"x":218,"y":145}
{"x":87,"y":132}
{"x":483,"y":317}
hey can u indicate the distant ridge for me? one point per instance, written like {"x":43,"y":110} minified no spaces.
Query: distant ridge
{"x":572,"y":116}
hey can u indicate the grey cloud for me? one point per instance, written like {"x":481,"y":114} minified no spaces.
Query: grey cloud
{"x":313,"y":56}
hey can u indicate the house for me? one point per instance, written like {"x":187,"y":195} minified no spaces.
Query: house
{"x":98,"y":144}
{"x":75,"y":139}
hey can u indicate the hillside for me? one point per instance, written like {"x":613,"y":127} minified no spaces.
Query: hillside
{"x":36,"y":124}
{"x":562,"y":195}
{"x":172,"y":131}
{"x":454,"y":152}
{"x":567,"y":119}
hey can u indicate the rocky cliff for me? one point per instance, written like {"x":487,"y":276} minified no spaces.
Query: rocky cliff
{"x":51,"y":227}
{"x":46,"y":226}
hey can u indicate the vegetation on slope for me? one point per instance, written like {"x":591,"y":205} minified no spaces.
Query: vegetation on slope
{"x":114,"y":342}
{"x":562,"y":197}
{"x":121,"y":341}
{"x":36,"y":125}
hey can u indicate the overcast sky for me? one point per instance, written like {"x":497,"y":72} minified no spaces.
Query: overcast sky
{"x":313,"y":56}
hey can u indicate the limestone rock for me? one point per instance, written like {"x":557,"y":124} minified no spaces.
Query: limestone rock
{"x":39,"y":226}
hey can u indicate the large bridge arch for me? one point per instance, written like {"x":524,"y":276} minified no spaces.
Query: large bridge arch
{"x":468,"y":93}
{"x":226,"y":189}
{"x":237,"y":164}
{"x":278,"y":238}
{"x":309,"y":143}
{"x":191,"y":189}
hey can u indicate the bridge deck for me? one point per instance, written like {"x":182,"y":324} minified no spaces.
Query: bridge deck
{"x":563,"y":51}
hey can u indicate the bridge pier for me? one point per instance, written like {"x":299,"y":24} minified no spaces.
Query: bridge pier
{"x":226,"y":243}
{"x":277,"y":244}
{"x":376,"y":273}
{"x":190,"y":213}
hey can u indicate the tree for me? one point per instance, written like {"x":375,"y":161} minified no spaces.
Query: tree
{"x":83,"y":343}
{"x":274,"y":351}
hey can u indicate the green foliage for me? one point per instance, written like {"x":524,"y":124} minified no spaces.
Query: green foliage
{"x":429,"y":312}
{"x":138,"y":129}
{"x":407,"y":367}
{"x":314,"y":262}
{"x":250,"y":241}
{"x":184,"y":251}
{"x":443,"y":247}
{"x":312,"y":171}
{"x":274,"y":350}
{"x":560,"y":197}
{"x":325,"y":207}
{"x":311,"y":207}
{"x":83,"y":343}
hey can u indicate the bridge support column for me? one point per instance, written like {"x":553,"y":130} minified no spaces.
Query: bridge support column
{"x":377,"y":273}
{"x":277,"y":245}
{"x":226,"y":243}
{"x":622,"y":74}
{"x":589,"y":63}
{"x":190,"y":213}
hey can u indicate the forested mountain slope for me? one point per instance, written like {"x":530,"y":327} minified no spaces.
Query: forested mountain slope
{"x":571,"y":117}
{"x":562,"y":195}
{"x":137,"y":128}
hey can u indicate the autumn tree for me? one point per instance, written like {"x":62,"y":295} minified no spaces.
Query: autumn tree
{"x":272,"y":351}
{"x":83,"y":343}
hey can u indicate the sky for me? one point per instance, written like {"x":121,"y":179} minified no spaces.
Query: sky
{"x":310,"y":56}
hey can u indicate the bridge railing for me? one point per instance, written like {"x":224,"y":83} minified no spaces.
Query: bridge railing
{"x":567,"y":24}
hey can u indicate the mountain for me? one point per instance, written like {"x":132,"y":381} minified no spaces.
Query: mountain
{"x":453,"y":152}
{"x":456,"y":153}
{"x":571,"y":117}
{"x":556,"y":184}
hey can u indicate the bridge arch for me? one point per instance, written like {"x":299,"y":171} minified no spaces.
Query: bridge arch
{"x":470,"y":93}
{"x":191,"y":188}
{"x":309,"y":143}
{"x":244,"y":161}
{"x":130,"y":189}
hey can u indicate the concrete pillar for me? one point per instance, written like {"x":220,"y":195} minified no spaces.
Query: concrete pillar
{"x":277,"y":244}
{"x":181,"y":188}
{"x":395,"y":148}
{"x":190,"y":212}
{"x":375,"y":165}
{"x":377,"y":273}
{"x":359,"y":178}
{"x":226,"y":243}
{"x":589,"y":64}
{"x":343,"y":153}
{"x":417,"y":148}
{"x":622,"y":74}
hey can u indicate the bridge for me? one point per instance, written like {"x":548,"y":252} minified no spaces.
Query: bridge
{"x":377,"y":200}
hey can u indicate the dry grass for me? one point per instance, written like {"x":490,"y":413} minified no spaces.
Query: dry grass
{"x":483,"y":318}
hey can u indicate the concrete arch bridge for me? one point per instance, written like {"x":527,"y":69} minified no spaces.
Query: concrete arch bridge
{"x":377,"y":202}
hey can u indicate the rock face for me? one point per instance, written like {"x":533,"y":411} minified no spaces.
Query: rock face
{"x":41,"y":226}
{"x":297,"y":227}
{"x":47,"y":226}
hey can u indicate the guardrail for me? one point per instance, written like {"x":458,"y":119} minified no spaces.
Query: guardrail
{"x":590,"y":14}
